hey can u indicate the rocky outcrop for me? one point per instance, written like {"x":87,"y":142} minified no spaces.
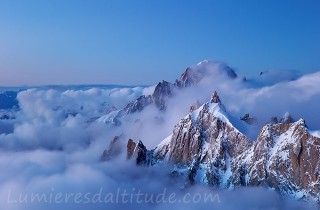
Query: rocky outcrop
{"x":136,"y":105}
{"x":248,"y":119}
{"x":188,"y":78}
{"x":114,"y":149}
{"x":131,"y":146}
{"x":139,"y":152}
{"x":215,"y":98}
{"x":163,"y":90}
{"x":274,"y":120}
{"x":285,"y":157}
{"x":134,"y":150}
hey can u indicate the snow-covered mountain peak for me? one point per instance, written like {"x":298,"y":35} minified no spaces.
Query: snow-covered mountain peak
{"x":214,"y":108}
{"x":201,"y":134}
{"x":285,"y":157}
{"x":204,"y":69}
{"x":214,"y":68}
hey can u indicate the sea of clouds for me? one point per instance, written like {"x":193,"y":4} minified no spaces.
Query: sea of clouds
{"x":54,"y":145}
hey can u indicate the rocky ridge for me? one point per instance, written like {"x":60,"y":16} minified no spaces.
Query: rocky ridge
{"x":164,"y":90}
{"x":206,"y":147}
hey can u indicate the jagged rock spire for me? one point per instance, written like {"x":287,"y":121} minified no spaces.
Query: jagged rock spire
{"x":114,"y":149}
{"x":139,"y":152}
{"x":162,"y":90}
{"x":131,"y":145}
{"x":215,"y":98}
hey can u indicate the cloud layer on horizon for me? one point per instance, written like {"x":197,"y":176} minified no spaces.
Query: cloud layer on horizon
{"x":53,"y":144}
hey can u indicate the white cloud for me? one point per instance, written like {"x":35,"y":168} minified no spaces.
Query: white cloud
{"x":52,"y":146}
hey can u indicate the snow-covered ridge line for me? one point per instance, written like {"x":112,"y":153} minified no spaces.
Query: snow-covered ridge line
{"x":206,"y":148}
{"x":165,"y":90}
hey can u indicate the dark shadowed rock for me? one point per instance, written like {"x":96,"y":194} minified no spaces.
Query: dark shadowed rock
{"x":274,"y":120}
{"x":140,"y":153}
{"x":249,"y":120}
{"x":230,"y":72}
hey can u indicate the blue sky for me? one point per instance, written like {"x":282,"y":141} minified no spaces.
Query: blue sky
{"x":142,"y":42}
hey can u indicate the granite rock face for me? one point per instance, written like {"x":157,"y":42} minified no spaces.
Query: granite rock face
{"x":285,"y":157}
{"x":206,"y":142}
{"x":206,"y":147}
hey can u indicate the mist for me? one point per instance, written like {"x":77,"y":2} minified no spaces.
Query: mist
{"x":54,"y":145}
